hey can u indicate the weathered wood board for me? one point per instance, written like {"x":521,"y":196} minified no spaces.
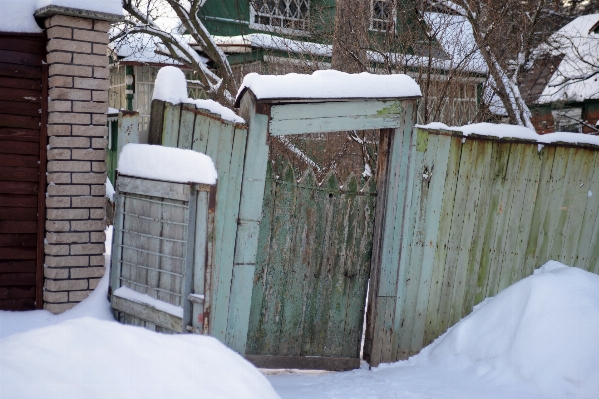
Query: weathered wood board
{"x":481,"y":213}
{"x":313,"y":265}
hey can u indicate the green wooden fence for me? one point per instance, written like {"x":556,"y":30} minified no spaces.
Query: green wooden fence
{"x":184,"y":126}
{"x":481,"y":214}
{"x":312,"y":266}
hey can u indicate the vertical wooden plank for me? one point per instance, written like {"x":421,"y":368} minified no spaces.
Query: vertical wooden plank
{"x":450,"y":185}
{"x":220,"y":147}
{"x":504,"y":168}
{"x":359,"y":269}
{"x":531,"y":183}
{"x":433,"y":189}
{"x":117,"y":240}
{"x":201,"y":131}
{"x":588,"y":227}
{"x":575,"y":206}
{"x":556,"y":194}
{"x":294,"y":290}
{"x":200,"y":248}
{"x":542,"y":200}
{"x":186,"y":128}
{"x":324,"y":271}
{"x":455,"y":234}
{"x":260,"y":296}
{"x":250,"y":209}
{"x":314,"y":294}
{"x":188,"y":252}
{"x":413,"y":238}
{"x":343,"y":235}
{"x":170,"y":127}
{"x":512,"y":211}
{"x":156,"y":122}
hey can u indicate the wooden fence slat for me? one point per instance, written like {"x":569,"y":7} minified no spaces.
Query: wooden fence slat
{"x":542,"y":200}
{"x":451,"y":176}
{"x":436,"y":159}
{"x":294,"y":291}
{"x":359,"y":268}
{"x":170,"y":127}
{"x":185,"y":138}
{"x":589,"y":226}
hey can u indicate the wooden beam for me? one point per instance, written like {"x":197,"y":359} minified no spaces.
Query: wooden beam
{"x":304,"y":362}
{"x":290,"y":119}
{"x":155,"y":188}
{"x":148,"y":313}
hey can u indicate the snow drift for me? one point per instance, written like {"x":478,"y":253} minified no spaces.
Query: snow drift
{"x":171,"y":86}
{"x":542,"y":330}
{"x":167,"y":164}
{"x":90,"y":358}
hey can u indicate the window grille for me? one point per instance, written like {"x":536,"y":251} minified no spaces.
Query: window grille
{"x":288,"y":16}
{"x":382,"y":15}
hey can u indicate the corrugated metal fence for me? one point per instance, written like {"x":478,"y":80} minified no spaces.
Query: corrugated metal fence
{"x":481,"y":214}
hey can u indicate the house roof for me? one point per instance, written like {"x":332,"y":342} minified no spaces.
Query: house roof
{"x":576,"y":78}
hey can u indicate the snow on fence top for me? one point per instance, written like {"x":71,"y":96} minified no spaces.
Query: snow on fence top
{"x":329,"y":84}
{"x":171,"y":86}
{"x":516,"y":132}
{"x":167,"y":164}
{"x":17,"y":15}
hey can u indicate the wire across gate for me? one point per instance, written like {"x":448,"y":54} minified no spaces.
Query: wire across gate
{"x":154,"y":245}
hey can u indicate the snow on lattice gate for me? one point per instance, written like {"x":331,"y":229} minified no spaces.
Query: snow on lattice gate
{"x":163,"y":242}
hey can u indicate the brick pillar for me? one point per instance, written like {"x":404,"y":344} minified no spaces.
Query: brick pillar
{"x":78,"y":96}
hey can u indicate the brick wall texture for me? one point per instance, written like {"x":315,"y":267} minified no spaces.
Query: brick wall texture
{"x":78,"y":95}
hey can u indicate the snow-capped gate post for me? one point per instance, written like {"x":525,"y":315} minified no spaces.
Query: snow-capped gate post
{"x":327,"y":101}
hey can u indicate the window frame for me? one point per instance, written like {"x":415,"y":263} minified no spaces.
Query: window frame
{"x":392,"y":21}
{"x":277,"y":29}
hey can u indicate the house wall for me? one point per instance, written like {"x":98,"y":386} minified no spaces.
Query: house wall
{"x":77,"y":139}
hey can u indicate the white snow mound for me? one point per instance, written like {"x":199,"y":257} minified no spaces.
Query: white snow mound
{"x":89,"y":358}
{"x":171,"y":86}
{"x":329,"y":84}
{"x":167,"y":164}
{"x":501,"y":130}
{"x":542,"y":330}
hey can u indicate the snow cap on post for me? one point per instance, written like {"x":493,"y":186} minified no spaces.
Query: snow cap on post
{"x":328,"y":84}
{"x":166,"y":164}
{"x":171,"y":87}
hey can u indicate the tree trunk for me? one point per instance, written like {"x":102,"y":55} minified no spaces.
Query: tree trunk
{"x":350,"y":40}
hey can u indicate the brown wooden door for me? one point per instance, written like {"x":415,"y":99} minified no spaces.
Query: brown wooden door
{"x":23,"y":114}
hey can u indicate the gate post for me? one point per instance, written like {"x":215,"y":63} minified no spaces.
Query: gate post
{"x":393,"y":171}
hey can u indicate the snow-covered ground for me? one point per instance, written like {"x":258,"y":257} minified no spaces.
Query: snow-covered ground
{"x":535,"y":340}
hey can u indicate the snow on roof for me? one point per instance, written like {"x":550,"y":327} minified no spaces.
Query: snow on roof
{"x":329,"y":84}
{"x":457,"y":29}
{"x":94,"y":359}
{"x":516,"y":132}
{"x":17,"y":15}
{"x":580,"y":47}
{"x":171,"y":86}
{"x":140,"y":47}
{"x":166,"y":164}
{"x":455,"y":35}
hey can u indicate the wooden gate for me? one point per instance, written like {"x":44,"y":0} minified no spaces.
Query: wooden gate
{"x":312,"y":271}
{"x":23,"y":118}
